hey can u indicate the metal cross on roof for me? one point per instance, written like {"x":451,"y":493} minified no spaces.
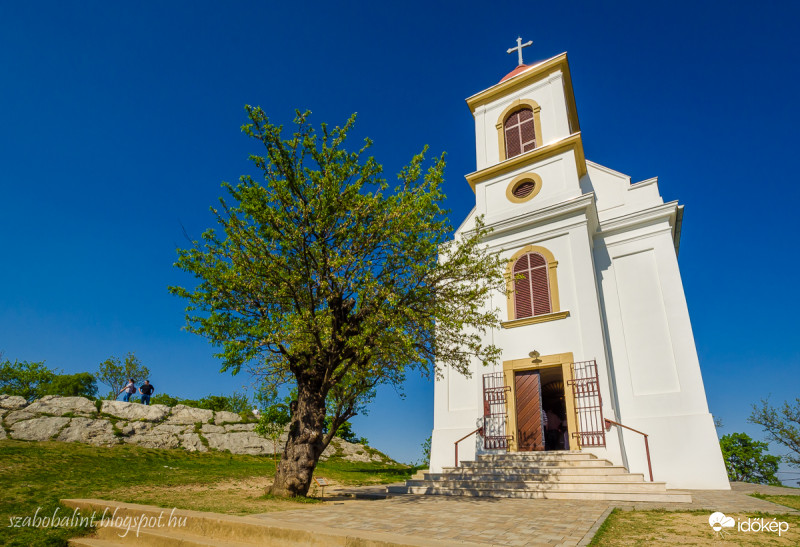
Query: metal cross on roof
{"x":519,"y":47}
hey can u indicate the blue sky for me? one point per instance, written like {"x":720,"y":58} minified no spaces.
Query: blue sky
{"x":119,"y":121}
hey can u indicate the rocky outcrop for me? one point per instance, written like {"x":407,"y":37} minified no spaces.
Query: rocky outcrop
{"x":76,"y":419}
{"x":89,"y":431}
{"x":186,"y":415}
{"x":38,"y":429}
{"x":135,"y":411}
{"x":59,"y":406}
{"x":12,"y":402}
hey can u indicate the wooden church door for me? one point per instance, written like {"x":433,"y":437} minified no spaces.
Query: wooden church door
{"x":530,"y":418}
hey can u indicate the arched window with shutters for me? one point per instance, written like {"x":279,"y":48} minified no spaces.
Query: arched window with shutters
{"x":531,"y":286}
{"x":519,"y":128}
{"x":519,"y":132}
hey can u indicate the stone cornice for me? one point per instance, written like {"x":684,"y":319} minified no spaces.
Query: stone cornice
{"x":583,"y":203}
{"x":667,"y":211}
{"x":573,"y":142}
{"x":535,"y":319}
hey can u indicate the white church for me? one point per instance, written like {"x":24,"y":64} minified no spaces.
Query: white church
{"x":598,"y":354}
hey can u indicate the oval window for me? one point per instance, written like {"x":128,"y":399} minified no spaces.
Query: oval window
{"x":524,"y":187}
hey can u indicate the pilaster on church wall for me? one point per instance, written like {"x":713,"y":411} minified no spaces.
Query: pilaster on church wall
{"x":657,"y":369}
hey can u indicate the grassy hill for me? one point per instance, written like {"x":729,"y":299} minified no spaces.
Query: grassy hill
{"x":37,"y":474}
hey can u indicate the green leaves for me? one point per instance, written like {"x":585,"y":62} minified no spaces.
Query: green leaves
{"x":782,"y":425}
{"x":324,"y":275}
{"x":24,"y":378}
{"x":115,"y":372}
{"x":746,"y":460}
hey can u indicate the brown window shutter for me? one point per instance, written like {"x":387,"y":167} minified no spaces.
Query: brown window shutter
{"x":519,"y":132}
{"x":522,"y":296}
{"x":528,"y":135}
{"x":532,"y":289}
{"x":540,"y":291}
{"x":524,"y":189}
{"x":536,"y":260}
{"x":513,"y":146}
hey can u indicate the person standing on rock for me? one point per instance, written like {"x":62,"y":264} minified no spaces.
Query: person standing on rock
{"x":129,"y":390}
{"x":146,"y":390}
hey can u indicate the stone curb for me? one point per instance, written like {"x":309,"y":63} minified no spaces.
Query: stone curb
{"x":587,"y":539}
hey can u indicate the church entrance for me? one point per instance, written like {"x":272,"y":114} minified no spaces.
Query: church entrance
{"x":541,"y":412}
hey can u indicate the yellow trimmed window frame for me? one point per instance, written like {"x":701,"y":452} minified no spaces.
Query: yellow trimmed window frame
{"x":519,"y":179}
{"x":552,"y":277}
{"x":513,"y":107}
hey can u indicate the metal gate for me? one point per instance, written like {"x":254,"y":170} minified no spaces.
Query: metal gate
{"x":495,"y":414}
{"x":588,"y":404}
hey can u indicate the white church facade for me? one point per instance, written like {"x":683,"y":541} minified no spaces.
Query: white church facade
{"x":597,"y":345}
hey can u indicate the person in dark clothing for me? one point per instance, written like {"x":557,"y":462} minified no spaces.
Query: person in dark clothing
{"x":552,"y":429}
{"x":146,"y":390}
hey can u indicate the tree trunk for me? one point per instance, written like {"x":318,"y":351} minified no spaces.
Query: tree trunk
{"x":303,"y":446}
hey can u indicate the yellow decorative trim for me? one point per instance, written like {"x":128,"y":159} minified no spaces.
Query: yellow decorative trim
{"x":573,"y":142}
{"x":537,"y":186}
{"x":513,"y":107}
{"x":538,"y":72}
{"x":552,"y":264}
{"x":559,"y":359}
{"x":535,"y":319}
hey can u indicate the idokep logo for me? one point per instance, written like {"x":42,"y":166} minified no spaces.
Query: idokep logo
{"x":718,"y":521}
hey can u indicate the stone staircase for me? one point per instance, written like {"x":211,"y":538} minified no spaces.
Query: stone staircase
{"x":557,"y":474}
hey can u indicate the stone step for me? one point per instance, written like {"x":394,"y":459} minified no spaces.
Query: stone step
{"x":537,"y":456}
{"x":162,"y":537}
{"x":534,"y":477}
{"x":598,"y":486}
{"x":668,"y":496}
{"x":532,"y":472}
{"x":420,"y":474}
{"x":513,"y":464}
{"x":91,"y":542}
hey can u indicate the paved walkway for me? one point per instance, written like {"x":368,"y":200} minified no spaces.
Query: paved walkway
{"x":513,"y":522}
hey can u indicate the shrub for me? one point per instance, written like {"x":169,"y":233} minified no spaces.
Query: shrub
{"x":82,"y":384}
{"x":23,"y":378}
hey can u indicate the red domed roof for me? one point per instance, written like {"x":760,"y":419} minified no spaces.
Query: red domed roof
{"x":519,"y":70}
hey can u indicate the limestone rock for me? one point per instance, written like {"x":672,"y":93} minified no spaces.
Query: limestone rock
{"x":12,"y":402}
{"x":158,"y":437}
{"x":192,"y":443}
{"x":225,"y":417}
{"x":155,"y":426}
{"x":135,"y":411}
{"x":240,"y":427}
{"x":134,"y":428}
{"x":171,"y":429}
{"x":182,"y":414}
{"x":240,"y":442}
{"x":350,"y":451}
{"x":155,"y":441}
{"x":88,"y":431}
{"x":38,"y":429}
{"x":58,"y":406}
{"x":17,"y":416}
